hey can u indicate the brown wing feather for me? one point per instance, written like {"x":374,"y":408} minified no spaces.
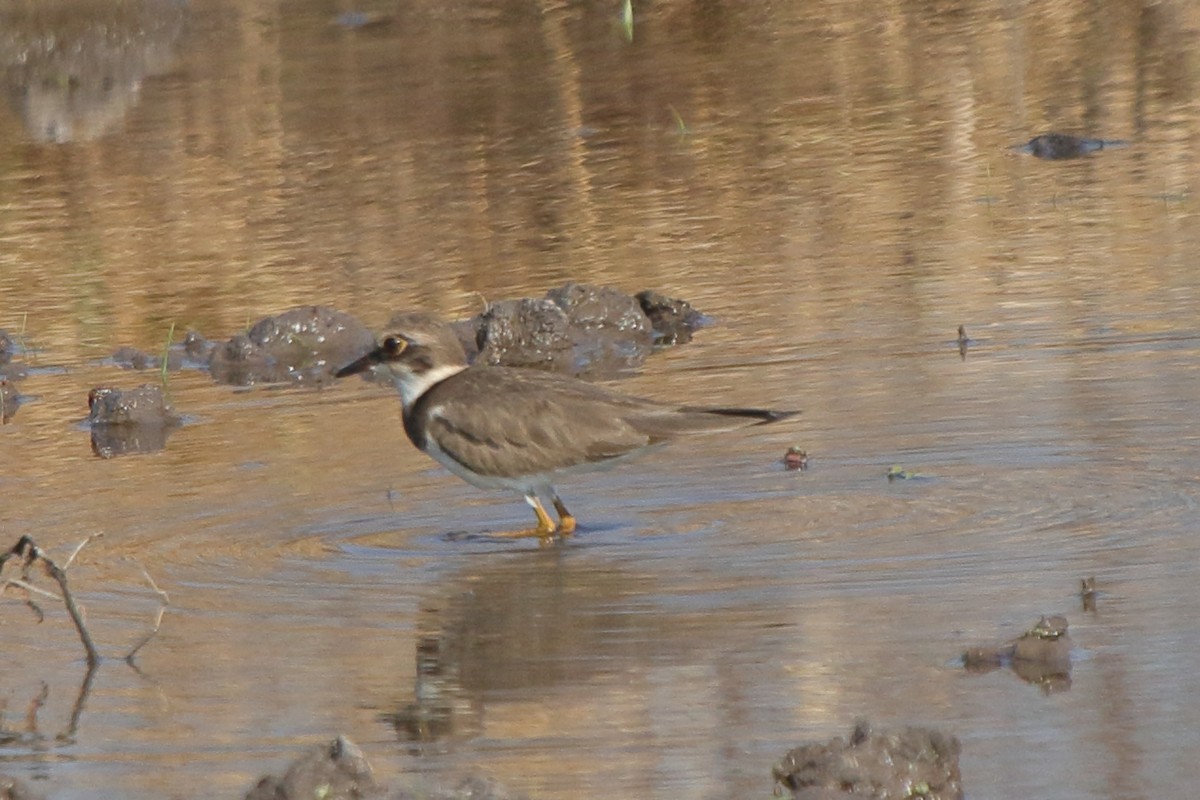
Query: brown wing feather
{"x":531,"y":422}
{"x":534,"y":422}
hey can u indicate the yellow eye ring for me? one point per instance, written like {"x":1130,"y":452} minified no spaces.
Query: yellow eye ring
{"x":394,"y":345}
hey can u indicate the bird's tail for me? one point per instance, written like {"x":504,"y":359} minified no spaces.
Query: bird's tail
{"x":662,"y":423}
{"x":759,"y":416}
{"x":699,"y":419}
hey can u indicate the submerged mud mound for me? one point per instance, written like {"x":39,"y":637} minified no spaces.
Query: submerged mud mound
{"x":10,"y":373}
{"x":131,"y":358}
{"x":472,"y":788}
{"x":10,"y":400}
{"x":525,"y":333}
{"x":673,"y":321}
{"x":1040,"y":656}
{"x":908,"y":763}
{"x":580,"y":329}
{"x":15,"y":789}
{"x":7,"y":346}
{"x":575,"y":328}
{"x":338,"y":770}
{"x":125,"y":421}
{"x":302,"y":345}
{"x":146,"y":406}
{"x":1062,"y":146}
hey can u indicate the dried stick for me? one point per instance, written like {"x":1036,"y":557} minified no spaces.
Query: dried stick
{"x":78,"y":547}
{"x":29,"y":587}
{"x":166,"y":601}
{"x":30,"y":553}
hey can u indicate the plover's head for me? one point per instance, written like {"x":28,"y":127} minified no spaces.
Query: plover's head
{"x":422,"y":350}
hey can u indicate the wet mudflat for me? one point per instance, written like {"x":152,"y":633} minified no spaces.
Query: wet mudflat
{"x":839,"y":192}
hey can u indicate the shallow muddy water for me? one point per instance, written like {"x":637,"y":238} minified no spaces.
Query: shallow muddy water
{"x":833,"y":183}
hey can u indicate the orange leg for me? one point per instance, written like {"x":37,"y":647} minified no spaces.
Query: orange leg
{"x":566,"y":522}
{"x":545,"y":526}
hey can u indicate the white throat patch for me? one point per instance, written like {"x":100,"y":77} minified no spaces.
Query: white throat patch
{"x":411,"y":386}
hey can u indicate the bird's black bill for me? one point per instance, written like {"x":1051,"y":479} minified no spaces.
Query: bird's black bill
{"x":361,"y":365}
{"x":393,"y":348}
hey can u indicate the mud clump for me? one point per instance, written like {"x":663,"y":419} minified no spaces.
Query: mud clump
{"x":524,"y":333}
{"x":10,"y":373}
{"x":145,"y":405}
{"x":1088,"y":592}
{"x":358,"y":20}
{"x":129,"y":421}
{"x":471,"y":788}
{"x":10,"y":401}
{"x":9,"y":347}
{"x":336,"y":770}
{"x":580,"y":329}
{"x":610,"y":331}
{"x":301,"y":345}
{"x":673,"y":321}
{"x":575,"y":329}
{"x":600,"y":307}
{"x":909,"y":763}
{"x":795,"y":459}
{"x":197,"y":348}
{"x":1041,"y":655}
{"x":14,"y":789}
{"x":13,"y":371}
{"x":132,"y":358}
{"x":1062,"y":146}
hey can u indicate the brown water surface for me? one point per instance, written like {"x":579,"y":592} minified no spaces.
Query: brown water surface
{"x":832,"y":182}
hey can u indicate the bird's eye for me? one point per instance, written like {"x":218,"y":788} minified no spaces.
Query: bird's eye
{"x":394,"y":346}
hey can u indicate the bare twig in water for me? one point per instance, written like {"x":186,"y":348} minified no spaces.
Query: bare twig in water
{"x":166,"y":601}
{"x":29,"y":587}
{"x":166,"y":356}
{"x":85,"y":689}
{"x":158,"y":618}
{"x":29,"y":735}
{"x":78,"y":547}
{"x":166,"y":598}
{"x":483,"y":299}
{"x":680,"y":126}
{"x":31,"y":355}
{"x":29,"y":553}
{"x":35,"y":705}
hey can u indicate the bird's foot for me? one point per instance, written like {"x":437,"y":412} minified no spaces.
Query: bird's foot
{"x":545,"y":530}
{"x":528,"y":533}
